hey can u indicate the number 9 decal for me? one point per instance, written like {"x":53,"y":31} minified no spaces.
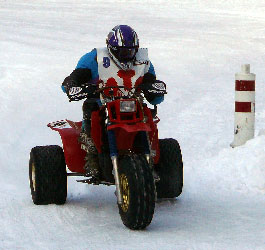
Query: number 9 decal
{"x":106,"y":62}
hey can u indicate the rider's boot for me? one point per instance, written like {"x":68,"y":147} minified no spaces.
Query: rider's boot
{"x":92,"y":163}
{"x":91,"y":159}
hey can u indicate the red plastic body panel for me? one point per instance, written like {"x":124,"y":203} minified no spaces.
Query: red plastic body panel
{"x":129,"y":128}
{"x":124,"y":139}
{"x":74,"y":155}
{"x":125,"y":132}
{"x":120,"y":117}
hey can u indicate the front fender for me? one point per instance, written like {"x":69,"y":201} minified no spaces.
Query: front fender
{"x":125,"y":133}
{"x":130,"y":128}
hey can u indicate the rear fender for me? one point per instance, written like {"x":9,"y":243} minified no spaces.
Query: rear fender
{"x":69,"y":132}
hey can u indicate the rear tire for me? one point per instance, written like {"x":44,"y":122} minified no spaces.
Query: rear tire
{"x":138,"y":192}
{"x":47,"y":175}
{"x":169,"y":169}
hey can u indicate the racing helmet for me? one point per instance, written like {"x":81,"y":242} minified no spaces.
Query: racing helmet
{"x":122,"y":44}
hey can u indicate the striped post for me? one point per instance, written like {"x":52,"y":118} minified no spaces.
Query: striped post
{"x":244,"y":106}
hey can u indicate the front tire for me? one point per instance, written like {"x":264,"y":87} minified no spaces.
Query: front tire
{"x":138,"y":192}
{"x":47,"y":175}
{"x":169,"y":169}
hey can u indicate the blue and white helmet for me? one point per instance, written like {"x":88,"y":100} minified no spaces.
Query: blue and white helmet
{"x":122,"y":43}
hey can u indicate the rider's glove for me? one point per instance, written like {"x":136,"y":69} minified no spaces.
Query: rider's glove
{"x":154,"y":91}
{"x":76,"y":93}
{"x":68,"y":84}
{"x":90,"y":88}
{"x":157,"y":88}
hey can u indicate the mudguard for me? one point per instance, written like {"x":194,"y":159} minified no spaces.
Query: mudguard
{"x":69,"y":132}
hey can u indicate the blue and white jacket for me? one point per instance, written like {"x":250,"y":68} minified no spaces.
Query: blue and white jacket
{"x":98,"y":67}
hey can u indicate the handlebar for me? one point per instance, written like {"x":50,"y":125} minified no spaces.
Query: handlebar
{"x":86,"y":92}
{"x":131,"y":93}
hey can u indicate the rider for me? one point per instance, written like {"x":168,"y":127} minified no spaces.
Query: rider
{"x":121,"y":63}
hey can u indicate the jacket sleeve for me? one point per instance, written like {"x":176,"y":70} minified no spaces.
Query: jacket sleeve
{"x":85,"y":70}
{"x":79,"y":76}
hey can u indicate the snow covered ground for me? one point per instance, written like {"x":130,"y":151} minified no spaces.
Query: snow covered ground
{"x":196,"y":48}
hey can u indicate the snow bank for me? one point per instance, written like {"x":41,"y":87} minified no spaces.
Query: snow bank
{"x":239,"y":169}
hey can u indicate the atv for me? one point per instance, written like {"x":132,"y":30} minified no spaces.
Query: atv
{"x":131,"y":157}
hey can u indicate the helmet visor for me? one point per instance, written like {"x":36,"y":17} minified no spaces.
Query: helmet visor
{"x":124,"y":54}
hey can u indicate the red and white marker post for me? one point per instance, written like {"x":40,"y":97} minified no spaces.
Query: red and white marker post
{"x":244,"y":106}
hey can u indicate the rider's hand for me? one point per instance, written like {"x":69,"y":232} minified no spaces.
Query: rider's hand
{"x":76,"y":93}
{"x":89,"y":88}
{"x":73,"y":90}
{"x":155,"y":88}
{"x":154,"y":91}
{"x":68,"y":84}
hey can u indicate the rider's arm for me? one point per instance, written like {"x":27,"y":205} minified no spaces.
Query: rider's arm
{"x":148,"y":80}
{"x":86,"y":71}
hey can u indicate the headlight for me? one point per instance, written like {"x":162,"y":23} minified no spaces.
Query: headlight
{"x":127,"y":106}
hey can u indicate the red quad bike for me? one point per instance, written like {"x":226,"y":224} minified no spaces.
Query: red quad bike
{"x":131,"y":156}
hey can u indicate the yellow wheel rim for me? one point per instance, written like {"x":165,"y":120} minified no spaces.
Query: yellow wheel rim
{"x":125,"y":193}
{"x":33,"y":176}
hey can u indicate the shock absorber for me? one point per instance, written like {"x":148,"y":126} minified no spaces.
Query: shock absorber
{"x":114,"y":159}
